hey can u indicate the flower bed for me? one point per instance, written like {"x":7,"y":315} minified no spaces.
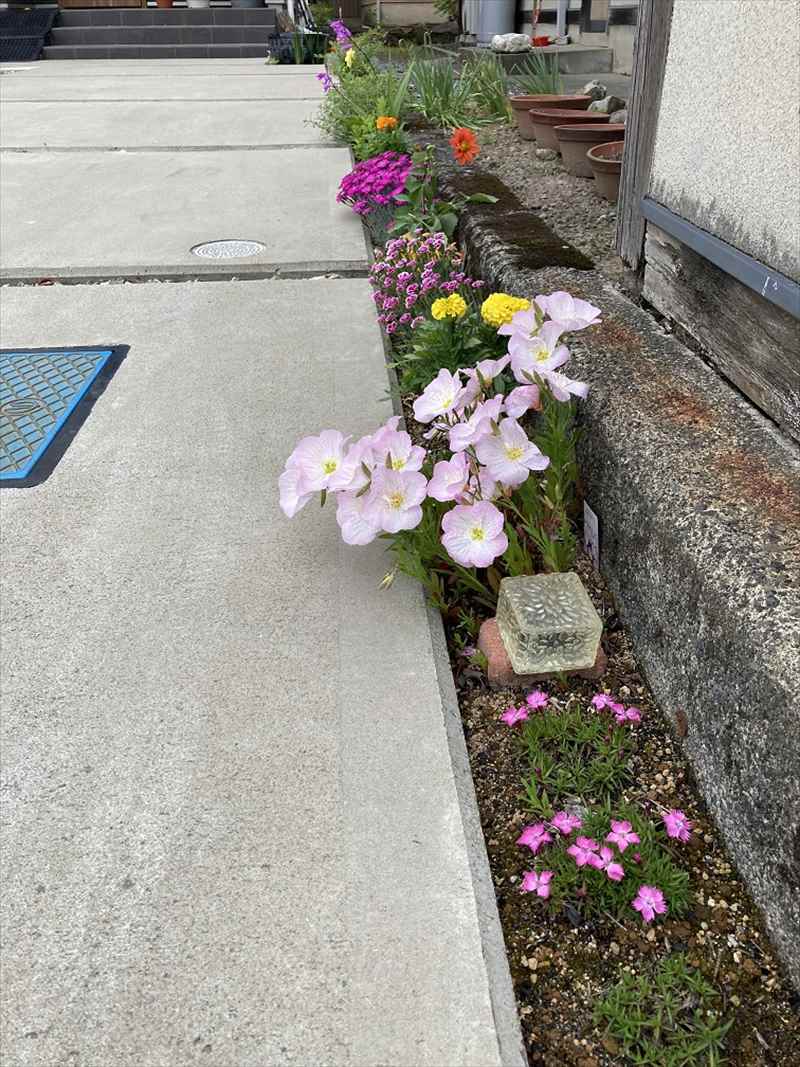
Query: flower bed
{"x":630,"y":938}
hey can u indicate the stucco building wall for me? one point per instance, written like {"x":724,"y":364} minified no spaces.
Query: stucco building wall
{"x":727,"y":153}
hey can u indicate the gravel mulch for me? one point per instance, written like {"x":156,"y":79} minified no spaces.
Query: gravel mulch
{"x":569,"y":205}
{"x":561,"y":970}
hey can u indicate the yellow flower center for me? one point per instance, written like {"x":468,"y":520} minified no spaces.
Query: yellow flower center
{"x":398,"y":464}
{"x":395,"y":500}
{"x":514,"y":452}
{"x":477,"y":533}
{"x":330,"y":465}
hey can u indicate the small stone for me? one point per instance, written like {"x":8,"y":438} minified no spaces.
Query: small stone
{"x":613,"y":948}
{"x":607,"y":106}
{"x":546,"y":154}
{"x":620,"y":116}
{"x":595,"y":89}
{"x":511,"y":42}
{"x":651,"y":934}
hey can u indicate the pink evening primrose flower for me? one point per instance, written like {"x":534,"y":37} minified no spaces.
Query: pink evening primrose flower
{"x":569,"y":312}
{"x":481,"y":374}
{"x":563,"y":387}
{"x":481,"y":487}
{"x":473,"y":534}
{"x":450,"y":477}
{"x":440,"y":396}
{"x":398,"y":448}
{"x":584,"y":852}
{"x":565,"y":823}
{"x":381,"y":435}
{"x":509,"y":455}
{"x":318,"y":459}
{"x":537,"y":353}
{"x":622,"y":834}
{"x":522,"y":399}
{"x":538,"y":883}
{"x":650,"y":902}
{"x":677,"y":825}
{"x":537,"y":699}
{"x":511,"y":716}
{"x":477,"y":426}
{"x":607,"y":862}
{"x":292,"y":495}
{"x":535,"y":837}
{"x":352,"y":475}
{"x":357,"y":518}
{"x":395,"y":499}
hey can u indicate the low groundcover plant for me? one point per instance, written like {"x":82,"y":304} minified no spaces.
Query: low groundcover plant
{"x":467,"y":500}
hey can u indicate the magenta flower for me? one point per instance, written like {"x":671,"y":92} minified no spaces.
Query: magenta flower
{"x":608,"y":863}
{"x":535,"y":837}
{"x":565,"y":823}
{"x":622,"y":834}
{"x":511,"y":716}
{"x":601,"y":700}
{"x":537,"y":699}
{"x":677,"y":825}
{"x":584,"y":852}
{"x":623,"y":715}
{"x":538,"y":883}
{"x":650,"y":902}
{"x":473,"y":534}
{"x":343,"y":36}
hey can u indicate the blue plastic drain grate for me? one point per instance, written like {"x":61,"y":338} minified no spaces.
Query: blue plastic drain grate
{"x":39,"y":390}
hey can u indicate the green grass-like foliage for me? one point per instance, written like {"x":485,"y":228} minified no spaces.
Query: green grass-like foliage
{"x":539,"y":74}
{"x":488,"y":83}
{"x":574,"y":753}
{"x":672,"y":1019}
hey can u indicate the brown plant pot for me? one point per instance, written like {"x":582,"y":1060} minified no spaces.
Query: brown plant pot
{"x":521,"y":105}
{"x":163,"y":3}
{"x":606,"y":163}
{"x":575,"y":141}
{"x":545,"y":120}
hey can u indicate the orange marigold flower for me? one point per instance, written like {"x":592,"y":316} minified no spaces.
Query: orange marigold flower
{"x":386,"y":122}
{"x":464,"y":144}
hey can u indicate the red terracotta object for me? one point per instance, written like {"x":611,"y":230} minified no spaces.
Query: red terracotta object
{"x":545,"y":120}
{"x":500,"y":673}
{"x":574,"y":142}
{"x":521,"y":105}
{"x":606,"y":163}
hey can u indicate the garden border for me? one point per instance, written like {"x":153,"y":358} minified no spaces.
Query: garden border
{"x":503,"y":1000}
{"x":697,"y":496}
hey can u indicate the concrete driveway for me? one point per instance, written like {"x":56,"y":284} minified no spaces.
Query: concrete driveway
{"x":239,"y":829}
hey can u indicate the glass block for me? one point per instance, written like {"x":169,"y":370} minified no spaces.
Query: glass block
{"x":548,"y":623}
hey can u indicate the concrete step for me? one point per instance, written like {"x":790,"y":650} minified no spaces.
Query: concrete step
{"x":138,"y":17}
{"x":572,"y":58}
{"x":74,"y":36}
{"x":157,"y":51}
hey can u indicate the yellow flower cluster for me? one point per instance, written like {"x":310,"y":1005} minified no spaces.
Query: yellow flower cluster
{"x":386,"y":122}
{"x":450,"y":307}
{"x":499,"y":308}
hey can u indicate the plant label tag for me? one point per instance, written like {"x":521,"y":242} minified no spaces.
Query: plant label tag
{"x":591,"y":535}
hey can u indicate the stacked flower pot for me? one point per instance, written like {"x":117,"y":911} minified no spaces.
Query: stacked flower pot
{"x":590,"y":144}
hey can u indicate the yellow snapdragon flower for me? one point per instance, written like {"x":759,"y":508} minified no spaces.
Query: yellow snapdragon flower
{"x":499,"y":308}
{"x":349,"y":56}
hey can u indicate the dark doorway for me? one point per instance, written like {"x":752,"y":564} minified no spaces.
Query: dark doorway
{"x":594,"y":16}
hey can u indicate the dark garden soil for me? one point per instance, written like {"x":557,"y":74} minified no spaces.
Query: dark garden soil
{"x":561,"y":970}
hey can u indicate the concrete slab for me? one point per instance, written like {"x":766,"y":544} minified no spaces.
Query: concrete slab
{"x":119,"y":84}
{"x":114,"y":214}
{"x":101,"y":124}
{"x":141,"y":68}
{"x":233,"y":835}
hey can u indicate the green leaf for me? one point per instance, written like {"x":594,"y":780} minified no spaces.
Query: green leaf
{"x":481,"y":198}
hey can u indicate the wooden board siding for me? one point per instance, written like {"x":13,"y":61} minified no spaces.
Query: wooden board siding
{"x":755,"y":344}
{"x":650,"y":58}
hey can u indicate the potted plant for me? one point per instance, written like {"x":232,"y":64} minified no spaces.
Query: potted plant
{"x":539,"y":80}
{"x":545,"y":119}
{"x":575,"y":140}
{"x":606,"y":163}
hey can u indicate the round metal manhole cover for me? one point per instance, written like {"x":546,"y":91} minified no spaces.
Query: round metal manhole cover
{"x":229,"y":249}
{"x":22,"y":406}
